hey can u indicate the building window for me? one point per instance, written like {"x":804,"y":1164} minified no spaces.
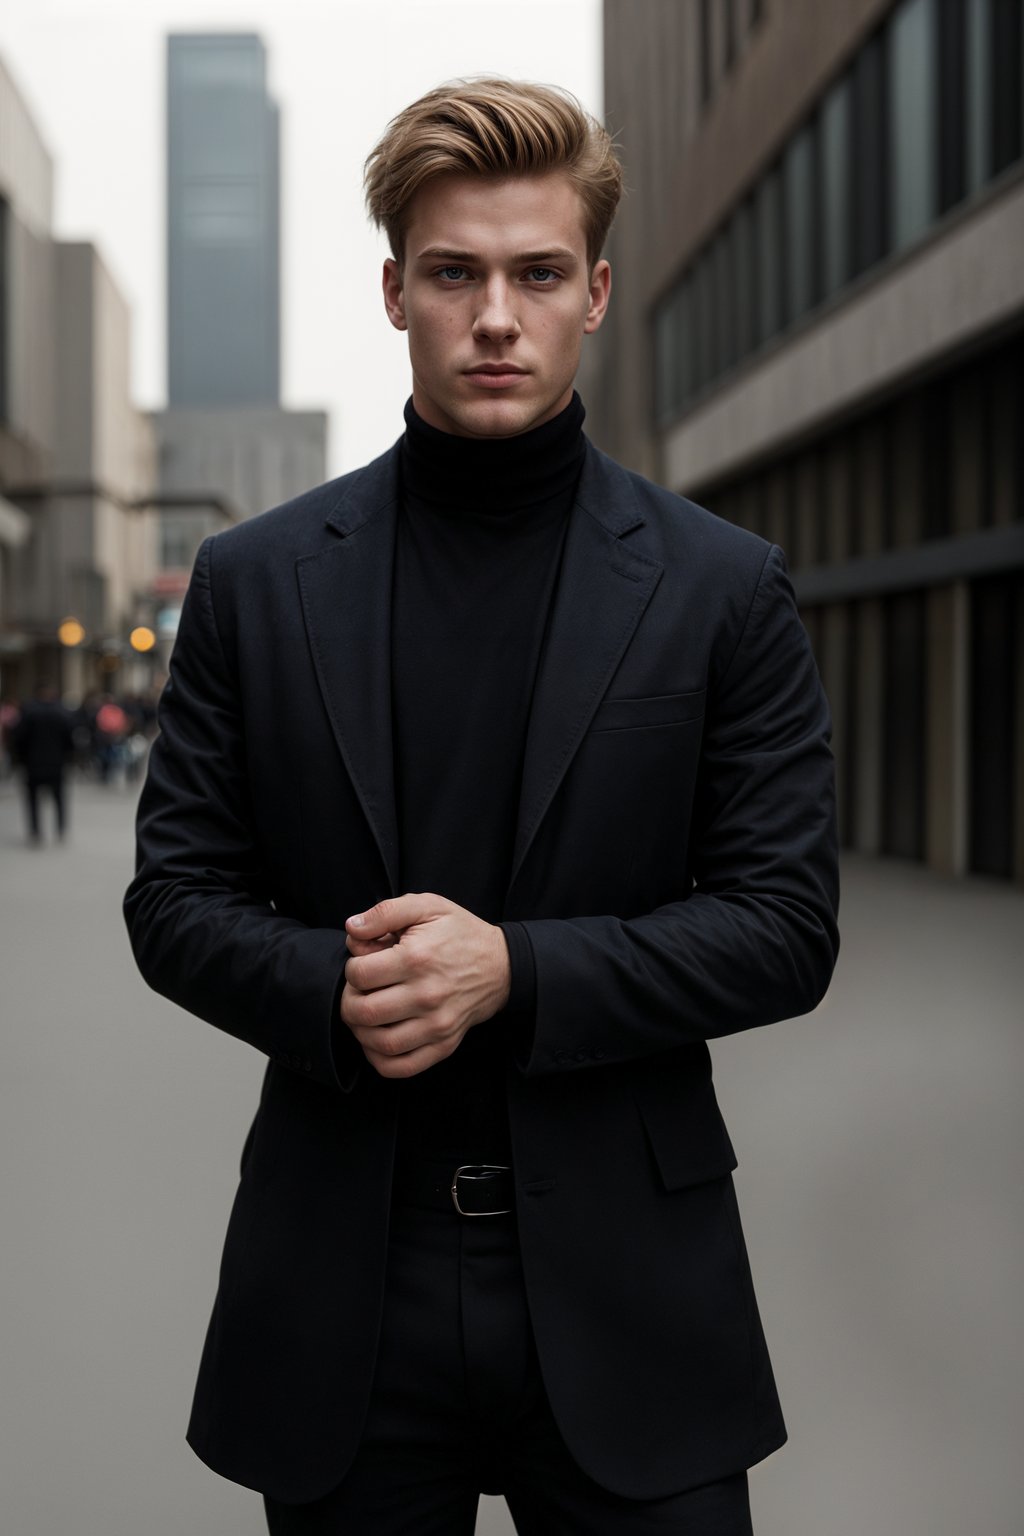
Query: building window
{"x":745,"y":292}
{"x":870,"y":140}
{"x":979,"y":93}
{"x":912,"y":120}
{"x":835,"y":183}
{"x":725,"y":299}
{"x":704,"y":326}
{"x":801,"y":223}
{"x":769,"y":255}
{"x":951,"y":78}
{"x":1007,"y":72}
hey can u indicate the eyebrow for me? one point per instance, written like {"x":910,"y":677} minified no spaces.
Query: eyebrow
{"x":521,"y":259}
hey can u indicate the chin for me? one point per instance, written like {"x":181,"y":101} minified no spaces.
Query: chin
{"x":499,"y":418}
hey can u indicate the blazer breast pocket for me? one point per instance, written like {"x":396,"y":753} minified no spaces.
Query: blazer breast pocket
{"x":648,"y":713}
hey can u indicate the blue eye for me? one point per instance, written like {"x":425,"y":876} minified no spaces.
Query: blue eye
{"x":452,"y":274}
{"x":542,"y":274}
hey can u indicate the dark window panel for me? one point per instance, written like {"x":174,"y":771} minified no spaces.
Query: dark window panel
{"x":769,"y":255}
{"x":801,"y":220}
{"x":911,"y":116}
{"x":836,"y":186}
{"x":978,"y":104}
{"x":1007,"y":82}
{"x":870,"y":172}
{"x":745,"y":280}
{"x":952,"y":85}
{"x":935,"y":465}
{"x":725,"y":290}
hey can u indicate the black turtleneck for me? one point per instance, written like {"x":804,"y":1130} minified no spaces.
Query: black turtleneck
{"x":480,"y":534}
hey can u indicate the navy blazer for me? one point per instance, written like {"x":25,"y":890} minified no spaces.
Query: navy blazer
{"x":675,"y":870}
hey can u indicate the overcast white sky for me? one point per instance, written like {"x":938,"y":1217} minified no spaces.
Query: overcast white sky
{"x":92,"y":72}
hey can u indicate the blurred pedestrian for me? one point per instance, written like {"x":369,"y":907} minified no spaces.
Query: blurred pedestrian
{"x":42,"y":744}
{"x":112,"y":726}
{"x":10,"y":714}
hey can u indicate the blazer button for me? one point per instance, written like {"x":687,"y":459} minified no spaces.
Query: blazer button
{"x":560,"y":1058}
{"x":582,"y":1054}
{"x":307,"y":1065}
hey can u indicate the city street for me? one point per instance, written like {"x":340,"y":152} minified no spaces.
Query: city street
{"x":880,"y":1144}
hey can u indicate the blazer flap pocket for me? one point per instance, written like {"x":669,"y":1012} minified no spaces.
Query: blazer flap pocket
{"x":685,"y":1129}
{"x":660,"y":709}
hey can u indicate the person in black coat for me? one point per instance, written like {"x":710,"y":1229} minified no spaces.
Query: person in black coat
{"x":43,"y":742}
{"x":493,"y":781}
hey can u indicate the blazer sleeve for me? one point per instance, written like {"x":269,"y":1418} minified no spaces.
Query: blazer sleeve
{"x":199,"y":912}
{"x":755,"y":939}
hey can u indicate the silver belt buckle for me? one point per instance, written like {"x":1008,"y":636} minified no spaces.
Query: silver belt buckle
{"x":478,"y":1171}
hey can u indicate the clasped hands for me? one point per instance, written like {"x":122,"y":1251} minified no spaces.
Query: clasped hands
{"x":422,"y":971}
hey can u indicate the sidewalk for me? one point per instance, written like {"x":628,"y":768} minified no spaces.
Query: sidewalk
{"x":880,"y":1144}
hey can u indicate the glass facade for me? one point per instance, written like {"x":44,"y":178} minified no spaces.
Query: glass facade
{"x":928,"y":111}
{"x":912,"y":80}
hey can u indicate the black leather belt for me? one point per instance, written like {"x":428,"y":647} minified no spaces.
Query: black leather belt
{"x":474,"y":1189}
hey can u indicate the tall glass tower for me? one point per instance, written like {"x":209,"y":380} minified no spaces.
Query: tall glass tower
{"x":223,"y":218}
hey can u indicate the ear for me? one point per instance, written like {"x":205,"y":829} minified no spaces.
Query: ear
{"x":394,"y":294}
{"x":600,"y":293}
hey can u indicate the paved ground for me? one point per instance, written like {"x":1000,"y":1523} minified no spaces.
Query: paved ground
{"x":880,"y":1148}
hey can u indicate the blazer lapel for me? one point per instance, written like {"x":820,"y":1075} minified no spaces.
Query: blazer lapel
{"x":603,"y":589}
{"x":346,"y":598}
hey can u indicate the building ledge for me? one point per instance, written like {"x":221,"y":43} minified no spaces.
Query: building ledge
{"x":935,"y":563}
{"x":934,"y":303}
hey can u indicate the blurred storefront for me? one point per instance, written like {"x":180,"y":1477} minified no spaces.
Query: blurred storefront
{"x":819,"y":333}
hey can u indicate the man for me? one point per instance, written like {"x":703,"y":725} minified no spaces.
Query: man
{"x":552,"y":741}
{"x":43,"y":741}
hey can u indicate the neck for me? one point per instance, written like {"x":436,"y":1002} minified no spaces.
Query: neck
{"x":493,"y":476}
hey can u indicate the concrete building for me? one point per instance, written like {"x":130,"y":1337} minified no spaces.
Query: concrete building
{"x":818,"y":331}
{"x":223,"y":222}
{"x":77,"y":461}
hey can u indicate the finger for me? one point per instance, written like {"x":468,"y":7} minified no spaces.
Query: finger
{"x":376,"y":969}
{"x":408,"y":1064}
{"x":379,"y":1009}
{"x":362,"y":947}
{"x":395,"y":914}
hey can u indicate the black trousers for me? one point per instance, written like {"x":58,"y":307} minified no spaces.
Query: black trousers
{"x":459,"y":1409}
{"x":55,"y":784}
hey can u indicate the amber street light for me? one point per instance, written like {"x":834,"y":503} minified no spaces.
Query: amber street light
{"x":70,"y":633}
{"x":142,"y":639}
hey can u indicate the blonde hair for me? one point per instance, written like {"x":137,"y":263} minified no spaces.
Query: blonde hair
{"x":491,"y":127}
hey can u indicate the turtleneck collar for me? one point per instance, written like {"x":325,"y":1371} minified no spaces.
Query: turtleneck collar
{"x":493,"y":476}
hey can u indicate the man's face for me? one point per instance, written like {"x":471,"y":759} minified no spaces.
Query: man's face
{"x":496,"y":295}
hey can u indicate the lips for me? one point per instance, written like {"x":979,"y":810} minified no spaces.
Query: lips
{"x":495,"y":375}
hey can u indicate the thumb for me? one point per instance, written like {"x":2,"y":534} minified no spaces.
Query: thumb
{"x":394,"y":915}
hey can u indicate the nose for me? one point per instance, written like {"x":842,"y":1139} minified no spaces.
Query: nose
{"x":496,"y":318}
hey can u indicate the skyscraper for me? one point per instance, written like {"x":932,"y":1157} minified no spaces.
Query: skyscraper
{"x":223,"y":217}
